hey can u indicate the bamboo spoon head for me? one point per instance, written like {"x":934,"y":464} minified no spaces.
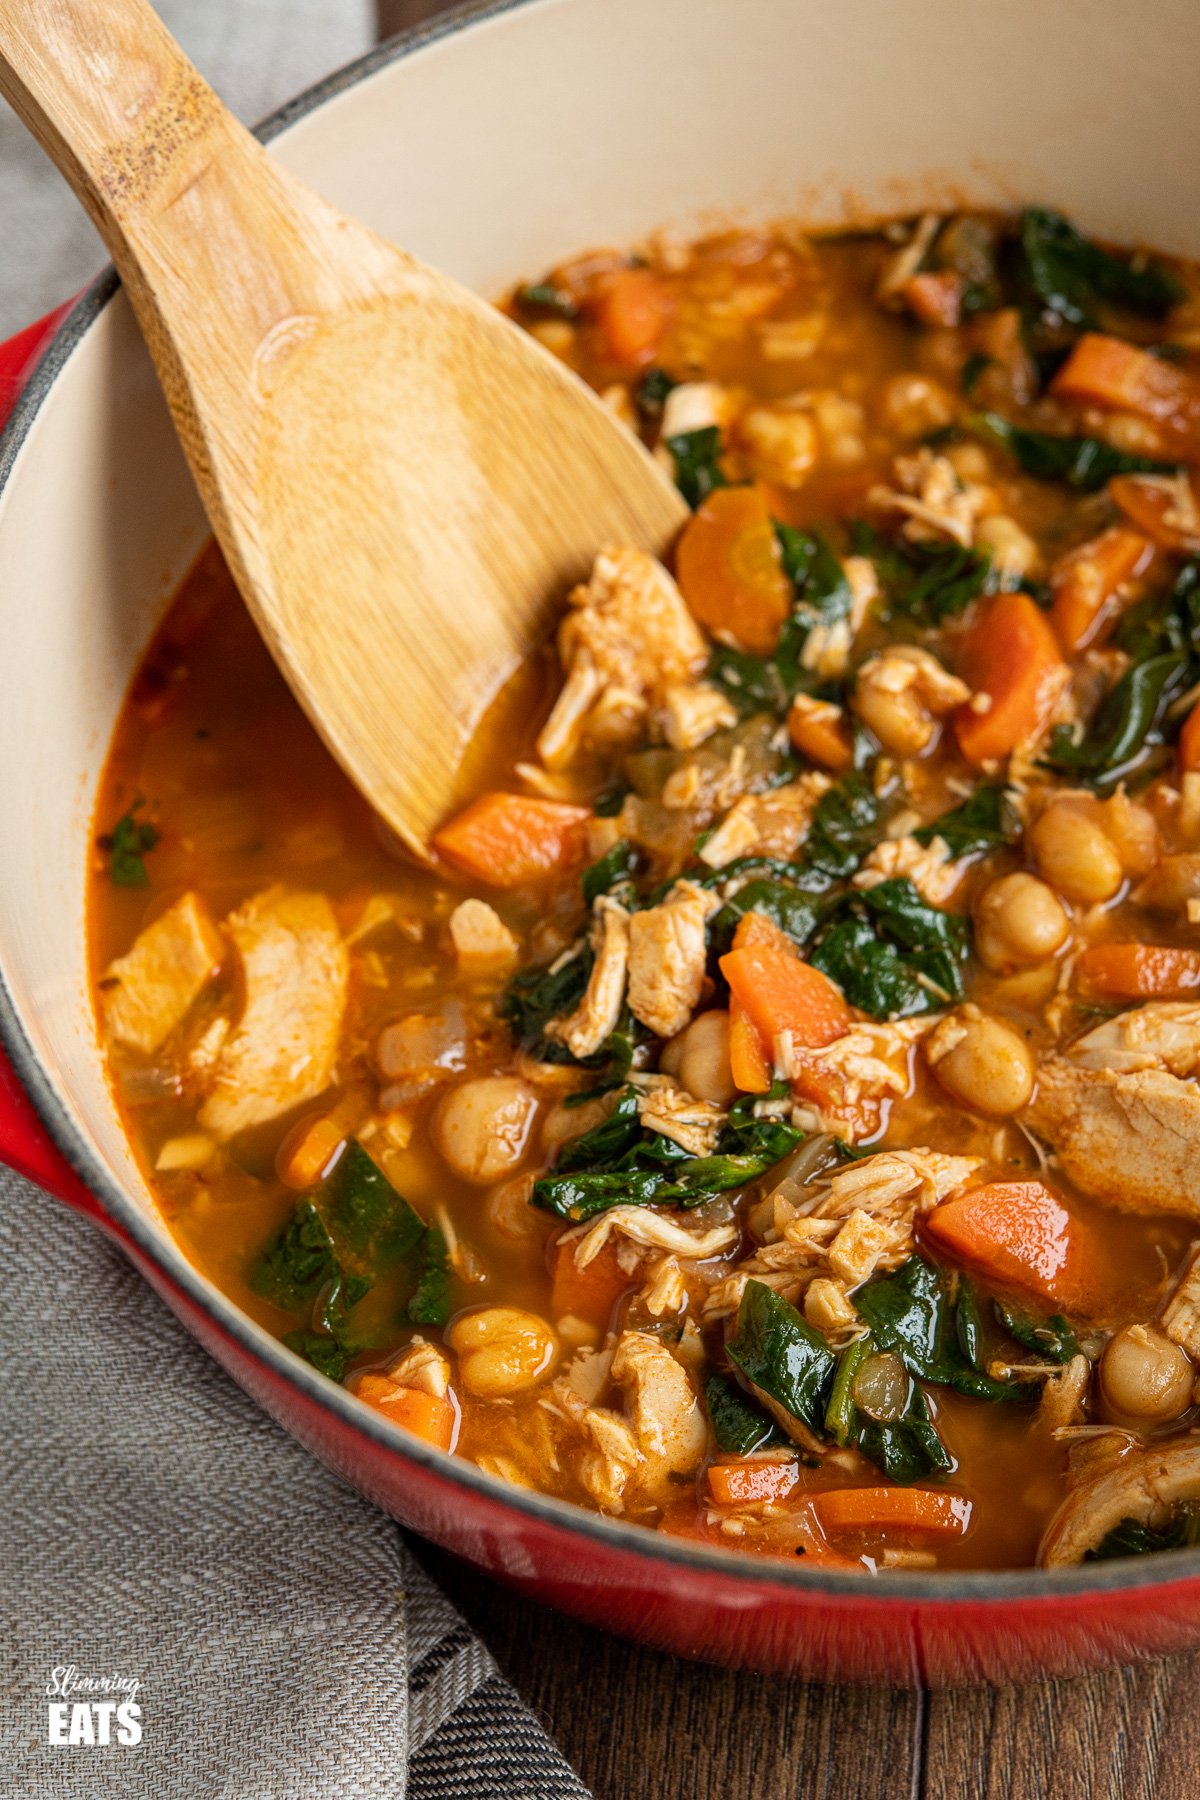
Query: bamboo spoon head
{"x":427,"y":485}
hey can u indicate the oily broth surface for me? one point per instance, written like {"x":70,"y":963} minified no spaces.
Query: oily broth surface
{"x":245,"y":795}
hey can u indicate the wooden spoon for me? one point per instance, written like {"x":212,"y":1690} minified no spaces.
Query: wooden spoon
{"x":403,"y":482}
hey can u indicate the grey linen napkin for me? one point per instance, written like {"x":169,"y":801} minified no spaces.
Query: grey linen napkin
{"x":155,"y":1526}
{"x":158,"y":1528}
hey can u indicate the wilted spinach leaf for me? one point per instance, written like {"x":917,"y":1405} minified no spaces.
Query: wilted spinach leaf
{"x":548,"y":301}
{"x":127,"y":845}
{"x":297,"y":1262}
{"x":536,"y":995}
{"x":1126,"y":722}
{"x":430,"y":1301}
{"x":697,"y":457}
{"x":979,"y":824}
{"x":781,"y":1355}
{"x":1071,"y":276}
{"x":892,"y":954}
{"x":365,"y":1213}
{"x":1084,"y":463}
{"x":927,"y":583}
{"x":1051,"y":1338}
{"x":739,"y":1426}
{"x":609,"y":871}
{"x":1132,"y":1538}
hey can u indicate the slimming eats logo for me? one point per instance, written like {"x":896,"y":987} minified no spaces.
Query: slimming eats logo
{"x":113,"y":1716}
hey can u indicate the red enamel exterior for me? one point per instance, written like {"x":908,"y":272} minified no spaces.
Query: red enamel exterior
{"x":936,"y":1630}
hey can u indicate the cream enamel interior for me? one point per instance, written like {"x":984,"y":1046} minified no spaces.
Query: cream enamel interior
{"x":546,"y":127}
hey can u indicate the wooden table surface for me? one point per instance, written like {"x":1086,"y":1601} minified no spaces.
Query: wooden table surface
{"x":642,"y":1726}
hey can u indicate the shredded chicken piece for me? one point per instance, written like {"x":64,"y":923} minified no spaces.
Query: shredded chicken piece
{"x":1165,"y":1035}
{"x":771,"y":824}
{"x":668,"y":1421}
{"x":1181,"y":1314}
{"x":937,"y":503}
{"x":653,"y":1231}
{"x":901,"y":267}
{"x":610,"y":1453}
{"x":296,"y":974}
{"x":828,"y":1310}
{"x":147,"y":992}
{"x":696,"y":406}
{"x":928,"y":867}
{"x":1062,"y":1396}
{"x":1127,"y":1139}
{"x":869,"y":1063}
{"x":692,"y":710}
{"x":667,"y":958}
{"x":670,"y":1110}
{"x":827,"y":647}
{"x":878,"y":1183}
{"x":1144,"y":1484}
{"x":597,"y":1015}
{"x":628,"y":637}
{"x":423,"y":1368}
{"x":482,"y":941}
{"x":857,"y":1248}
{"x":666,"y":1291}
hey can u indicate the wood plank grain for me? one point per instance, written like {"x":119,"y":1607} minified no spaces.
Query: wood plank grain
{"x":643,"y":1726}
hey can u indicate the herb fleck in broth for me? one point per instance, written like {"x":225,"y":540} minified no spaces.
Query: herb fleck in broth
{"x":729,"y":1124}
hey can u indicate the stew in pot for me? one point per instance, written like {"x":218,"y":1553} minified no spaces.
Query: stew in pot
{"x":775,"y":1121}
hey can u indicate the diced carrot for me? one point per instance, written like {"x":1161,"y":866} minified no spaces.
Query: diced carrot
{"x":1087,"y":584}
{"x":818,"y":730}
{"x":748,"y":1482}
{"x":1159,"y":508}
{"x":428,"y":1416}
{"x":632,"y":312}
{"x":918,"y":1511}
{"x":307,"y":1152}
{"x":935,"y":297}
{"x":1138,"y":972}
{"x":1189,"y":742}
{"x":729,"y":568}
{"x":748,"y":1059}
{"x":779,"y":991}
{"x":1106,"y":371}
{"x":508,"y":839}
{"x":1017,"y":1234}
{"x":1011,"y":660}
{"x":589,"y":1293}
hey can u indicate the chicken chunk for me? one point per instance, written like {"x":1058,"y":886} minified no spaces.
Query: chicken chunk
{"x":149,"y":991}
{"x":628,"y":638}
{"x":933,"y":498}
{"x":771,"y":824}
{"x":283,"y":1051}
{"x":927,"y":866}
{"x":1127,"y":1139}
{"x":1163,"y":1035}
{"x":482,"y":941}
{"x":667,"y":1419}
{"x":1181,"y":1314}
{"x":650,"y":1230}
{"x":667,"y":958}
{"x":670,"y":1110}
{"x":692,"y":710}
{"x":596,"y":1016}
{"x":1143,"y":1484}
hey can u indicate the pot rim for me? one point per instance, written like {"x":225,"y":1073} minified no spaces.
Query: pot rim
{"x":932,"y":1587}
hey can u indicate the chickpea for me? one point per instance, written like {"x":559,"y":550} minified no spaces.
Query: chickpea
{"x":509,"y":1210}
{"x":699,"y":1056}
{"x":782,"y":443}
{"x":1143,"y":1375}
{"x":1075,"y":854}
{"x":501,"y":1350}
{"x":981,"y":1062}
{"x":563,"y":1122}
{"x":482,"y":1126}
{"x":914,"y":405}
{"x":1019,"y":922}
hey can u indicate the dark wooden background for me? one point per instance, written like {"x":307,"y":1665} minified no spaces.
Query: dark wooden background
{"x":625,"y":1716}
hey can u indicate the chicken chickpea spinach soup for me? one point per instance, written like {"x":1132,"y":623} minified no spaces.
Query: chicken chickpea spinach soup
{"x":775,"y":1121}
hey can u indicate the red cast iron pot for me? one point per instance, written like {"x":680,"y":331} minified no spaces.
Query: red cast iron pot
{"x":497,"y":141}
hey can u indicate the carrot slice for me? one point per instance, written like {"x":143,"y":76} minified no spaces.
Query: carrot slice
{"x":782,"y":993}
{"x":507,"y":839}
{"x":428,"y":1416}
{"x":1086,"y":584}
{"x":632,"y":312}
{"x":935,"y":297}
{"x":729,"y":568}
{"x":748,"y":1483}
{"x":1189,"y":742}
{"x":1138,"y":972}
{"x":1018,"y":1234}
{"x":748,"y":1059}
{"x":307,"y":1152}
{"x":589,"y":1293}
{"x":1159,"y":508}
{"x":1011,"y":659}
{"x":818,"y":730}
{"x":920,"y":1511}
{"x":1109,"y":372}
